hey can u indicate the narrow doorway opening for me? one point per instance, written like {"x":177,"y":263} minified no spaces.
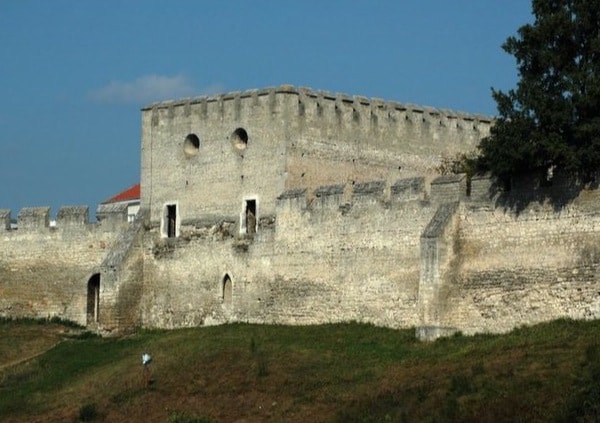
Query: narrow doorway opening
{"x":93,"y":299}
{"x":250,"y":216}
{"x":171,"y":220}
{"x":227,"y":288}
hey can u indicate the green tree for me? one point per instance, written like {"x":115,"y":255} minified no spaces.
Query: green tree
{"x":552,"y":118}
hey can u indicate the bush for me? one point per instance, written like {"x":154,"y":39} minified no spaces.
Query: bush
{"x":88,"y":412}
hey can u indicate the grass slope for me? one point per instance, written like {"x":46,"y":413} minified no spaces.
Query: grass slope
{"x":331,"y":373}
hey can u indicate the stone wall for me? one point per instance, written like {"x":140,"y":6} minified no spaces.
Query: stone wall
{"x":394,"y":255}
{"x":122,"y":280}
{"x":336,"y":138}
{"x":208,"y":155}
{"x":295,"y":206}
{"x":523,"y":268}
{"x":320,"y":260}
{"x":45,"y":270}
{"x":398,"y":255}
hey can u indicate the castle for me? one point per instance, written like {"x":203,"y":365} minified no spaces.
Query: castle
{"x":293,"y":206}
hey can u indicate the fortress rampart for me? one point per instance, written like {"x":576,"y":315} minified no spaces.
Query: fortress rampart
{"x":271,"y":140}
{"x":294,"y":206}
{"x":44,"y":268}
{"x":356,"y":117}
{"x":397,"y":255}
{"x":53,"y":268}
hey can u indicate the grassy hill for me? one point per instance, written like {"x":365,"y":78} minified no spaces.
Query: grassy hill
{"x":331,"y":373}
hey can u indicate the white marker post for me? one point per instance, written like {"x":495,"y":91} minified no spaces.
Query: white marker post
{"x":147,"y":373}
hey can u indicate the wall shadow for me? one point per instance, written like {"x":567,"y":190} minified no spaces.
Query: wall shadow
{"x":530,"y":190}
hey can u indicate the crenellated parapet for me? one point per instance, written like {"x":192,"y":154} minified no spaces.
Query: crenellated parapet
{"x":289,"y":205}
{"x":49,"y":262}
{"x":444,"y":189}
{"x":32,"y":219}
{"x":292,"y":137}
{"x":316,"y":104}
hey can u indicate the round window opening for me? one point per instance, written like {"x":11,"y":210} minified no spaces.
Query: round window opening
{"x":239,"y":138}
{"x":191,"y":145}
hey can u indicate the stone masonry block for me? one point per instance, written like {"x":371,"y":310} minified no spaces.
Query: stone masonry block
{"x":4,"y":219}
{"x":72,"y":216}
{"x":34,"y":217}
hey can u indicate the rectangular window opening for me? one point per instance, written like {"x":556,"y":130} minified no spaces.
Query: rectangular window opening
{"x":171,"y":218}
{"x":251,"y":219}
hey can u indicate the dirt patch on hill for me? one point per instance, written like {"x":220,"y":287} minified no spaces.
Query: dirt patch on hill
{"x":22,"y":343}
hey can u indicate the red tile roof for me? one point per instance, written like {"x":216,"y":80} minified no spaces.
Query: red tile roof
{"x":131,"y":193}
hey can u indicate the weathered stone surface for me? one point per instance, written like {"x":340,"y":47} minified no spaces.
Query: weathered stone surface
{"x":44,"y":271}
{"x":289,"y":205}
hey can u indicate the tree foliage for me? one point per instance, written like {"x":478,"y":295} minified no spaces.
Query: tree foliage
{"x":552,"y":118}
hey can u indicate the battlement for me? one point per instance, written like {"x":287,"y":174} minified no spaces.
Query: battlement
{"x":34,"y":217}
{"x":289,"y":205}
{"x":73,"y":216}
{"x":449,"y":188}
{"x":373,"y":188}
{"x":5,"y":219}
{"x":318,"y":98}
{"x":237,"y":141}
{"x":444,"y":189}
{"x":39,"y":218}
{"x":408,"y":189}
{"x":305,"y":104}
{"x":329,"y":196}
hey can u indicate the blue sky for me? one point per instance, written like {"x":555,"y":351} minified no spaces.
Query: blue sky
{"x":74,"y":74}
